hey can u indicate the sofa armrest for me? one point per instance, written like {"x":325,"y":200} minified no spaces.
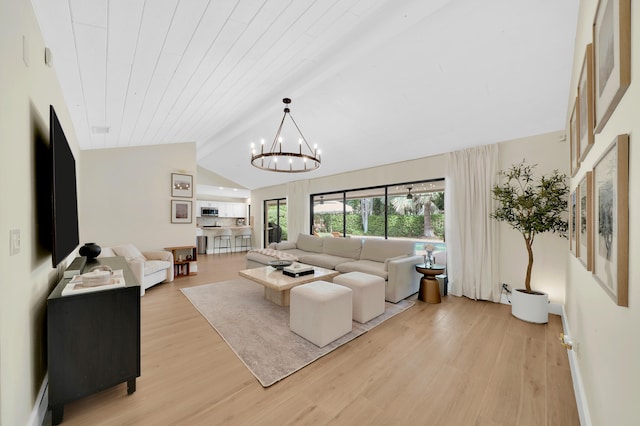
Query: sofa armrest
{"x":403,"y":280}
{"x":167,"y":256}
{"x":159,"y":255}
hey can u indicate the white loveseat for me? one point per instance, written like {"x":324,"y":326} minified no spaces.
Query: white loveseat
{"x":393,"y":260}
{"x":149,"y":267}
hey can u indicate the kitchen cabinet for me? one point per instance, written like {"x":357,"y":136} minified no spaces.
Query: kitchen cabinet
{"x":225,"y":209}
{"x":239,"y":209}
{"x":234,"y":210}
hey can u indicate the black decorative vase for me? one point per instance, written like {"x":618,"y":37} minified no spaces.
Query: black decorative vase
{"x":90,"y":250}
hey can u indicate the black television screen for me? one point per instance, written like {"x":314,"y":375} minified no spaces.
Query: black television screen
{"x":64,"y":198}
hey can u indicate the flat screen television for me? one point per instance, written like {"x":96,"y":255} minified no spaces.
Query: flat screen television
{"x":64,"y":198}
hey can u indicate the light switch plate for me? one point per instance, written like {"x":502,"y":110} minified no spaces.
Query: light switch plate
{"x":14,"y":242}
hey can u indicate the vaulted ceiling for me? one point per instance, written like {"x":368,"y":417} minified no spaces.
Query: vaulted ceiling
{"x":372,"y":81}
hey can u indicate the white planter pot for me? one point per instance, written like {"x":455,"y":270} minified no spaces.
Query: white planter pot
{"x":530,"y":307}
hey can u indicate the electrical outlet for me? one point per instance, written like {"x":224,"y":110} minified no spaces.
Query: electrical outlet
{"x":14,"y":242}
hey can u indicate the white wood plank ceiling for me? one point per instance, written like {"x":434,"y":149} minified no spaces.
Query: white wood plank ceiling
{"x":372,"y":81}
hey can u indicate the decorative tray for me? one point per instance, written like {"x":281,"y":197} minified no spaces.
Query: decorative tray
{"x":279,"y":264}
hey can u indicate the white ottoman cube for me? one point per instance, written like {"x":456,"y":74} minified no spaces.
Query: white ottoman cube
{"x":368,"y":294}
{"x":320,"y":312}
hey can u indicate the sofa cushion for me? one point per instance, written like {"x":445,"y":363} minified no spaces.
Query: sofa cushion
{"x":309,"y":243}
{"x":342,"y":247}
{"x":323,"y":260}
{"x":285,"y":245}
{"x":365,"y":266}
{"x":129,"y":251}
{"x":151,"y":266}
{"x":380,"y":250}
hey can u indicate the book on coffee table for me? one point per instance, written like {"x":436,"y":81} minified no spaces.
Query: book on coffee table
{"x":298,"y":270}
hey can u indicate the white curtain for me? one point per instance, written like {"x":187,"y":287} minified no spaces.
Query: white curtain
{"x":297,"y":201}
{"x":472,"y":239}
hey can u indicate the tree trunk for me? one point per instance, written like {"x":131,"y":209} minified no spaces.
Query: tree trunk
{"x":527,"y":280}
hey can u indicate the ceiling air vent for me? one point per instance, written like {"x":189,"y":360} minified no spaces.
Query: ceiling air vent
{"x":98,"y":130}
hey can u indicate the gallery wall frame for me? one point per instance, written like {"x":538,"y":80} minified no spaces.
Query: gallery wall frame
{"x":585,"y":105}
{"x":181,"y":211}
{"x":611,"y":56}
{"x":611,"y":220}
{"x":573,"y":234}
{"x":181,"y":185}
{"x":573,"y":138}
{"x":585,"y":220}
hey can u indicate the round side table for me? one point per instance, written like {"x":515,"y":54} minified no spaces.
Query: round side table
{"x":429,"y":287}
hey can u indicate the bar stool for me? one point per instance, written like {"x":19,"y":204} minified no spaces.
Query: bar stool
{"x":245,"y":240}
{"x":224,"y":240}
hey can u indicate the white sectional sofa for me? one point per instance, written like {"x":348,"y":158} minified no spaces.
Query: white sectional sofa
{"x":392,"y":260}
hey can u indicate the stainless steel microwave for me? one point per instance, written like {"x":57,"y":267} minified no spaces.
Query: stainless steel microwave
{"x":209,"y":211}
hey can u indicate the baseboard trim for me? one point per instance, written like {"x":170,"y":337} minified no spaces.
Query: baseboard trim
{"x":41,"y":404}
{"x":576,"y":377}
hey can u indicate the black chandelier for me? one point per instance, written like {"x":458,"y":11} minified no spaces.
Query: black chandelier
{"x":278,"y":160}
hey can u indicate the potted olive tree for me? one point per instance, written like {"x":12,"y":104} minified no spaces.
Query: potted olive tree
{"x":531,"y":206}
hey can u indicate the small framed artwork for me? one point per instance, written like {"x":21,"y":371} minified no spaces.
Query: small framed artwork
{"x":181,"y":211}
{"x":573,"y":139}
{"x":181,"y":185}
{"x":573,"y":235}
{"x":585,"y":218}
{"x":585,"y":105}
{"x":611,"y":220}
{"x":612,"y":57}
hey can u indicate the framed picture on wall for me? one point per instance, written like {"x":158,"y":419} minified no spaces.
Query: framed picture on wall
{"x":573,"y":235}
{"x":612,"y":57}
{"x":181,"y":211}
{"x":585,"y":105}
{"x":181,"y":185}
{"x":573,"y":139}
{"x":585,"y":219}
{"x":611,"y":220}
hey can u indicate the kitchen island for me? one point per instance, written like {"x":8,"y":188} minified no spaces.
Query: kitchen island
{"x":213,"y":231}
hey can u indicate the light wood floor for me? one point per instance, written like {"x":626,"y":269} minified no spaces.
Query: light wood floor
{"x":457,"y":363}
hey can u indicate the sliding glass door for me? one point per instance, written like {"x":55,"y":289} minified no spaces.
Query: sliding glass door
{"x":275,"y":221}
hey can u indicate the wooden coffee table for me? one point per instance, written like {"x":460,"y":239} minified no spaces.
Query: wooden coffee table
{"x":277,"y":286}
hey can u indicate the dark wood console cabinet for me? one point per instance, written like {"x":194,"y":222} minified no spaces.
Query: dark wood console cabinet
{"x":93,"y":339}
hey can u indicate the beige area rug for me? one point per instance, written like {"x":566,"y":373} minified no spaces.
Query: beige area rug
{"x":258,"y":330}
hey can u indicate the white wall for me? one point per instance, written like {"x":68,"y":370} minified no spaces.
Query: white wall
{"x":26,"y":278}
{"x":550,"y":151}
{"x":608,"y":342}
{"x":126,"y":196}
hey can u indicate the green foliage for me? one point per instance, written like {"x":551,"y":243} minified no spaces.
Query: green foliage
{"x":272,"y":216}
{"x":437,"y":221}
{"x":438,"y":199}
{"x":531,"y":206}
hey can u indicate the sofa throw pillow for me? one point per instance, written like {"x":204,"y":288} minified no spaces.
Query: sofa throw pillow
{"x":285,"y":245}
{"x":309,"y":243}
{"x":129,"y":251}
